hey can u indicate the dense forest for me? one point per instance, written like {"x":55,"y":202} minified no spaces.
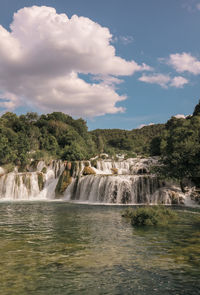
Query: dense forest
{"x":58,"y":136}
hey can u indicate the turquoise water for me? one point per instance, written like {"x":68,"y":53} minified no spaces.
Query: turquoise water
{"x":60,"y":248}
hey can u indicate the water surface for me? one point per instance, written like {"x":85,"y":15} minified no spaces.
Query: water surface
{"x":60,"y":248}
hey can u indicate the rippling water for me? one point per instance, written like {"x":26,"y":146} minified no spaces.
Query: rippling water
{"x":61,"y":248}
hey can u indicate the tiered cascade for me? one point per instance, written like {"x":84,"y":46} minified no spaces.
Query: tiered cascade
{"x":96,"y":181}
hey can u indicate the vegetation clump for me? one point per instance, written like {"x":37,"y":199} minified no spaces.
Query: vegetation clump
{"x":94,"y":163}
{"x":40,"y":181}
{"x":144,"y":216}
{"x":44,"y":170}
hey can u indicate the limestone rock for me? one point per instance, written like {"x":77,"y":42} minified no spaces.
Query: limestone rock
{"x":88,"y":171}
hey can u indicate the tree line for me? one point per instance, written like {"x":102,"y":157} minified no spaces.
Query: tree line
{"x":58,"y":136}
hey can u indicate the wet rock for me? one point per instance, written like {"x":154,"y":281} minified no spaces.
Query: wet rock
{"x":176,"y":198}
{"x":88,"y":171}
{"x":114,"y":171}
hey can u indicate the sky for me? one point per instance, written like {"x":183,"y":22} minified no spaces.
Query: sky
{"x":117,"y":64}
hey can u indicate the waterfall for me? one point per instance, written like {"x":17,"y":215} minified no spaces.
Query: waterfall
{"x":31,"y":185}
{"x":104,"y":181}
{"x":121,"y":189}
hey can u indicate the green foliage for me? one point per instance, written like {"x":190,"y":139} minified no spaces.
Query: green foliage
{"x":197,"y":110}
{"x":44,"y":137}
{"x":155,"y":146}
{"x":74,"y":152}
{"x":130,"y":155}
{"x":136,"y":141}
{"x":180,"y":148}
{"x":150,"y":215}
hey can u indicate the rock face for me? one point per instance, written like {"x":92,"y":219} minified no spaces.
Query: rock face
{"x":2,"y":172}
{"x":195,"y":196}
{"x":88,"y":171}
{"x":65,"y":179}
{"x":96,"y":181}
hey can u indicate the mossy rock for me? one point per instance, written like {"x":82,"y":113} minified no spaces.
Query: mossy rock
{"x":68,"y":166}
{"x":88,"y":171}
{"x":24,"y":178}
{"x":71,"y":166}
{"x":176,"y":199}
{"x":94,"y":163}
{"x":17,"y":180}
{"x":114,"y":171}
{"x":40,"y":181}
{"x":22,"y":169}
{"x":28,"y":182}
{"x":195,"y":196}
{"x":64,"y":181}
{"x":34,"y":164}
{"x":44,"y":170}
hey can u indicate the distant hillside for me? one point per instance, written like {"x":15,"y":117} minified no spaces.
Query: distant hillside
{"x":136,"y":140}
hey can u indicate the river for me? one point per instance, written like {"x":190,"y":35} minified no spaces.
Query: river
{"x":59,"y":248}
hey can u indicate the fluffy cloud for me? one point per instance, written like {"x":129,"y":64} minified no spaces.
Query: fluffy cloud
{"x":164,"y":80}
{"x":143,"y":125}
{"x":178,"y":82}
{"x":180,"y":116}
{"x":43,"y":55}
{"x":159,"y":79}
{"x":185,"y":62}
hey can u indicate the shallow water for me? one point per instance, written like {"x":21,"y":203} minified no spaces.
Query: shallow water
{"x":60,"y":248}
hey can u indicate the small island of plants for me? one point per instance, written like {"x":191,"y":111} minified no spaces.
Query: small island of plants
{"x":156,"y":215}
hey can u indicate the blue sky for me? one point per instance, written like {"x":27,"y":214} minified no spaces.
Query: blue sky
{"x":163,"y":35}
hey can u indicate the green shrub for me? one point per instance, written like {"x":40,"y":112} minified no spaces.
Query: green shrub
{"x":150,"y":215}
{"x":130,"y":155}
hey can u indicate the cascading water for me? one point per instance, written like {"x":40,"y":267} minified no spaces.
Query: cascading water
{"x":121,"y":189}
{"x":96,"y":181}
{"x":31,"y":185}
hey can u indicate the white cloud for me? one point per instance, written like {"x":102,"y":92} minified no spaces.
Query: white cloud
{"x":185,"y":62}
{"x":43,"y":55}
{"x":143,"y":125}
{"x":198,"y":6}
{"x":178,"y":82}
{"x":159,"y":79}
{"x":123,"y":39}
{"x":164,"y":80}
{"x":180,"y":116}
{"x":126,"y":39}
